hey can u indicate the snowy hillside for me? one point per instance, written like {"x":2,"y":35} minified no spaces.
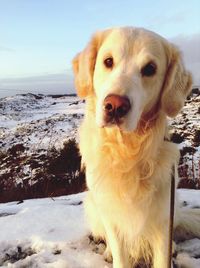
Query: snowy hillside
{"x":34,"y":130}
{"x":186,"y":133}
{"x":52,"y":232}
{"x":39,"y":121}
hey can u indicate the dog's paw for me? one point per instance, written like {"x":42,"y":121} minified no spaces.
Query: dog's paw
{"x":95,"y":239}
{"x":99,"y":248}
{"x":108,"y":256}
{"x":98,"y":245}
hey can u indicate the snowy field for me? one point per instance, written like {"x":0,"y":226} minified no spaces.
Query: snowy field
{"x":46,"y":233}
{"x":52,"y":232}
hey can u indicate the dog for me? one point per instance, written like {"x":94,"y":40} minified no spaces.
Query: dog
{"x":132,"y":80}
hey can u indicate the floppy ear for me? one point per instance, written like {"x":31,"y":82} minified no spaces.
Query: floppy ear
{"x":83,"y":66}
{"x":177,"y":84}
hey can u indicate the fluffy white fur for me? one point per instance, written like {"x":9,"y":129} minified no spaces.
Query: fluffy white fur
{"x":128,"y":167}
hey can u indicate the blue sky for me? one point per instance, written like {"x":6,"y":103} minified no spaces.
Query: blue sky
{"x":39,"y":38}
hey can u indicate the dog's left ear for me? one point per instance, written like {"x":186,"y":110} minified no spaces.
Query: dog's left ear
{"x":83,"y":66}
{"x":177,"y":84}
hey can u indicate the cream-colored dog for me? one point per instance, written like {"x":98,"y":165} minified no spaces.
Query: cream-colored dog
{"x":132,"y":80}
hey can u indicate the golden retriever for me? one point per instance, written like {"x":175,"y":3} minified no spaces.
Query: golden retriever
{"x":132,"y":80}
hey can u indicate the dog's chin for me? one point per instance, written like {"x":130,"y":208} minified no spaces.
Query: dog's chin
{"x":123,"y":125}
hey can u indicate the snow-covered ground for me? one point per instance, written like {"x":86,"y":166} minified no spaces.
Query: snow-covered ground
{"x":52,"y":232}
{"x":38,"y":120}
{"x":46,"y":233}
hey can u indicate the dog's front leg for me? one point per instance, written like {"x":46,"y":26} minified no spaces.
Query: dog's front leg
{"x":160,"y":248}
{"x":119,"y":254}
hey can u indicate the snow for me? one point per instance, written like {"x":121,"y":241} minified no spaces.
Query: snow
{"x":52,"y":232}
{"x":185,"y":261}
{"x":36,"y":119}
{"x":192,"y":197}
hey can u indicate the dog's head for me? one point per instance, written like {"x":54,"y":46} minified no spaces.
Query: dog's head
{"x":132,"y":73}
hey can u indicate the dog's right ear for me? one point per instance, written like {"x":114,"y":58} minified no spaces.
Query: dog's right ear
{"x":83,"y":66}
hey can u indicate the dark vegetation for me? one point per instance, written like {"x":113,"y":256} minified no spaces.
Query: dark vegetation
{"x":15,"y":255}
{"x":189,"y":173}
{"x":40,"y":174}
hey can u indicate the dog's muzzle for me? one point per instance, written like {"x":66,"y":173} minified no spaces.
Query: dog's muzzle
{"x":115,"y":108}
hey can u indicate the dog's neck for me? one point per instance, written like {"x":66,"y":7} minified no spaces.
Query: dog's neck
{"x":134,"y":150}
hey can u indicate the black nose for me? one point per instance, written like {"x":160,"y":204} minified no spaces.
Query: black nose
{"x":116,"y":106}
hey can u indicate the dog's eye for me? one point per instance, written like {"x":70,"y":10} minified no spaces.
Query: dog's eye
{"x":108,"y":62}
{"x":149,"y":69}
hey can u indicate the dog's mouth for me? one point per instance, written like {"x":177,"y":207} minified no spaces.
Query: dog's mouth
{"x":110,"y":122}
{"x":115,"y":108}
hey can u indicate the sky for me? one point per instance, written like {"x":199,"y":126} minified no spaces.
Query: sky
{"x":39,"y":38}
